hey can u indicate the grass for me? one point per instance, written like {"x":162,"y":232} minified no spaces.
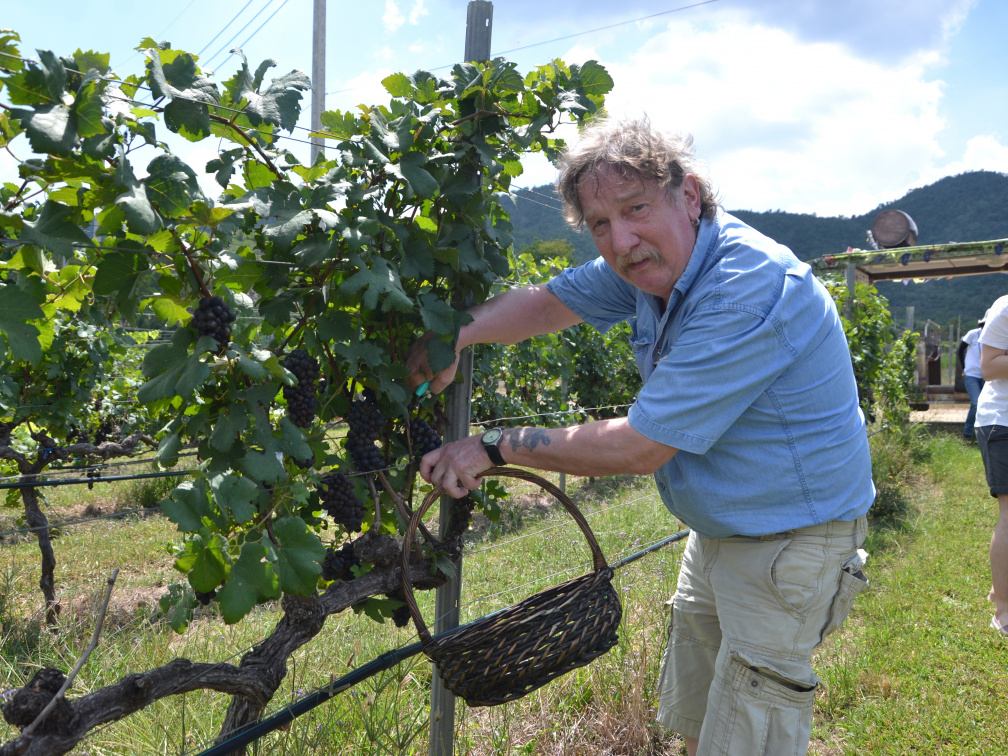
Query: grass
{"x":914,"y":670}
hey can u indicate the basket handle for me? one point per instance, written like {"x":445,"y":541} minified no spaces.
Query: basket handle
{"x":598,"y":559}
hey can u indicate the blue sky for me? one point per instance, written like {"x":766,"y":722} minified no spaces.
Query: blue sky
{"x":797,"y":105}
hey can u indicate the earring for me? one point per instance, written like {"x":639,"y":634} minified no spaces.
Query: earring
{"x":696,"y":224}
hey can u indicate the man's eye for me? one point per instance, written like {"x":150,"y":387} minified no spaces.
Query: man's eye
{"x":638,"y":208}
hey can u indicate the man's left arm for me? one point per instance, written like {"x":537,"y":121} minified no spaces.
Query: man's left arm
{"x":597,"y":449}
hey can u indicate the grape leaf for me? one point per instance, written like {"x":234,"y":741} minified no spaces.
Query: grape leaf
{"x":299,"y":553}
{"x":251,"y":581}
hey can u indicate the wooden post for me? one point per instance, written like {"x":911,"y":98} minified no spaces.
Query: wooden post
{"x":447,"y":597}
{"x":318,"y":74}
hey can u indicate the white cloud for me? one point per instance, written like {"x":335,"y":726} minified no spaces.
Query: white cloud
{"x":783,"y":123}
{"x":392,"y":19}
{"x":982,"y":153}
{"x":419,"y":10}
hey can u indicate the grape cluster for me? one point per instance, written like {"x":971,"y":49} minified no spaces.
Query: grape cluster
{"x":214,"y":318}
{"x":366,"y":422}
{"x":336,"y":564}
{"x":205,"y":598}
{"x":400,"y":616}
{"x":339,"y":500}
{"x":301,"y":399}
{"x":424,"y":438}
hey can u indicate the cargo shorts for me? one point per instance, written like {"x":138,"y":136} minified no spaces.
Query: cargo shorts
{"x":746,"y":616}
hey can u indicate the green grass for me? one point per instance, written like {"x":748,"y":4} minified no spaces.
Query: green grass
{"x":914,"y":670}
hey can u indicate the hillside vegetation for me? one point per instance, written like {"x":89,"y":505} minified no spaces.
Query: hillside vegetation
{"x":968,"y":207}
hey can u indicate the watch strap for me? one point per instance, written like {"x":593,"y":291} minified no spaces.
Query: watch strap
{"x":493,"y":451}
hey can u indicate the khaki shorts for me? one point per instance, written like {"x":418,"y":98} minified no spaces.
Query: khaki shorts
{"x":746,"y":616}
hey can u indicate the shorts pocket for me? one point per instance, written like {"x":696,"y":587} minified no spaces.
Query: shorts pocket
{"x":852,"y":582}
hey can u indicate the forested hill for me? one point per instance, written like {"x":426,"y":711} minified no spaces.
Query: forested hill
{"x":968,"y":207}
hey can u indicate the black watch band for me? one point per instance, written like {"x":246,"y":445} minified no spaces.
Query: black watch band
{"x":490,"y":440}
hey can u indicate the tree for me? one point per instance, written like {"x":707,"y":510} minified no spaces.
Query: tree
{"x":289,"y":298}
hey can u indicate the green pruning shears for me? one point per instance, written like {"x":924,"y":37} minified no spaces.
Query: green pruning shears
{"x":418,"y":394}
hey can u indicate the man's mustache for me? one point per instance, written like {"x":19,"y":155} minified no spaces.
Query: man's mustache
{"x":637,"y":256}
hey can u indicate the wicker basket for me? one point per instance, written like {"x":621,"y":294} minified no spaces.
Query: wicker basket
{"x":505,"y":655}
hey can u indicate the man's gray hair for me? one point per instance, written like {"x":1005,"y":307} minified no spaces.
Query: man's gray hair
{"x":632,"y":148}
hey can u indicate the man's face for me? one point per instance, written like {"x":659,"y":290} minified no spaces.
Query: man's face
{"x":643,"y":231}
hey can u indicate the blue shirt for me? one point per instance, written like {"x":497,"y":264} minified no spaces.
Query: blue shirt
{"x":748,"y":374}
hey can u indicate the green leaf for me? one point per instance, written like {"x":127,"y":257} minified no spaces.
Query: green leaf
{"x":417,"y":177}
{"x":230,"y":424}
{"x":50,"y":128}
{"x":188,"y":113}
{"x":38,"y":83}
{"x":171,"y":185}
{"x":236,"y":495}
{"x":187,"y":505}
{"x":292,"y":442}
{"x":88,"y":106}
{"x":252,"y":580}
{"x":194,"y":374}
{"x":398,"y":85}
{"x":55,"y":230}
{"x":263,"y":466}
{"x":119,"y":272}
{"x":437,"y":315}
{"x":16,"y":308}
{"x":299,"y":556}
{"x":280,"y":104}
{"x":205,"y":559}
{"x":595,"y":79}
{"x":168,"y":450}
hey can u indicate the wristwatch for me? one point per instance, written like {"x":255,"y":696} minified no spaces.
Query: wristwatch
{"x":490,"y":440}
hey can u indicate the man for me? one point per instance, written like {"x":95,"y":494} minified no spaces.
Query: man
{"x":969,"y":357}
{"x":748,"y":418}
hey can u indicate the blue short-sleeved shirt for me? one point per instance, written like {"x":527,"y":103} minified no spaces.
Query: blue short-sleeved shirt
{"x":748,"y":374}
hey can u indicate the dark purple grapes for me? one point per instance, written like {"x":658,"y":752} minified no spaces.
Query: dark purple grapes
{"x":214,"y":318}
{"x":423,"y":437}
{"x":302,"y":398}
{"x":337,"y":563}
{"x":205,"y":598}
{"x":401,"y":616}
{"x":366,"y":422}
{"x":340,"y":501}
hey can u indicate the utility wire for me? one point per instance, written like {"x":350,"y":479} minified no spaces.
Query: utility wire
{"x":233,"y":19}
{"x":225,"y":46}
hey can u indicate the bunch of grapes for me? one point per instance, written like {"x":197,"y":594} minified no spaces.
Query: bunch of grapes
{"x":366,"y":422}
{"x":205,"y":598}
{"x":400,"y":616}
{"x":339,"y":500}
{"x":214,"y":318}
{"x":301,"y":399}
{"x":424,"y":438}
{"x":336,"y":564}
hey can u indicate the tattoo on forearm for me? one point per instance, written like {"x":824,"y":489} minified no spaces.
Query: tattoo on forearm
{"x":528,"y":438}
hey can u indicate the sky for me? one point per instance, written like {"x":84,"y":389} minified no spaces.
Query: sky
{"x":805,"y":106}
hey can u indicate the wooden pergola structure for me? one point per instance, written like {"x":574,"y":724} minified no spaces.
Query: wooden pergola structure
{"x":918,"y":264}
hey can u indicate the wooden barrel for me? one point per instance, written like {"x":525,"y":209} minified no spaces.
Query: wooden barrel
{"x":894,"y":228}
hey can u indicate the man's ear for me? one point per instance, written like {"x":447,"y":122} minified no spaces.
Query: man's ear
{"x":691,"y":195}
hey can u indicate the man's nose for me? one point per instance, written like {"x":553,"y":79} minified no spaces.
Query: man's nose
{"x":624,"y":239}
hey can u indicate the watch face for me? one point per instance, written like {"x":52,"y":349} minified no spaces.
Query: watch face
{"x":492,"y":436}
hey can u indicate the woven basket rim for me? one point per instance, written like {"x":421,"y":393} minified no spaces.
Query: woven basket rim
{"x":598,"y":558}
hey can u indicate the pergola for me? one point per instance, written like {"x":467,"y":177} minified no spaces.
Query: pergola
{"x":918,"y":263}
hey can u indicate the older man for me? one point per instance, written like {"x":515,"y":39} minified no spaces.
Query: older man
{"x":748,"y":418}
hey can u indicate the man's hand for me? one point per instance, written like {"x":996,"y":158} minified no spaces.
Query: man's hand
{"x":418,"y":363}
{"x":457,"y":466}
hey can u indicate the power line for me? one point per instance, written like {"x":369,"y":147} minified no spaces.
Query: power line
{"x":233,"y":19}
{"x":248,"y":23}
{"x":569,"y":36}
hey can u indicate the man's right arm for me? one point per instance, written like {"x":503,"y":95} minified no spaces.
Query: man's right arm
{"x":507,"y":318}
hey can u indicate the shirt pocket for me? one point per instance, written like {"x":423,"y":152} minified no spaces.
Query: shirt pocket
{"x":642,"y":340}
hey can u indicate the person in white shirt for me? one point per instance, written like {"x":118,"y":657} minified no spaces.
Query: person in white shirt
{"x":992,"y":437}
{"x":969,"y":356}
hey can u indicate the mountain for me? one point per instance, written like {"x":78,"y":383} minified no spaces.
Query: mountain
{"x":967,"y":207}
